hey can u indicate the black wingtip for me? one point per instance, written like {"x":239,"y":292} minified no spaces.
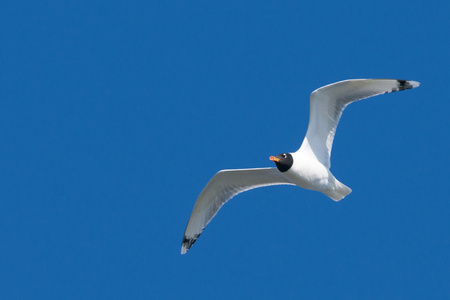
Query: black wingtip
{"x":405,"y":85}
{"x":187,"y":243}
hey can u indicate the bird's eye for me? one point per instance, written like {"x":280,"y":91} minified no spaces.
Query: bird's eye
{"x":284,"y":155}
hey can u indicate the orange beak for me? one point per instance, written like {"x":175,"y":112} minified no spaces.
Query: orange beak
{"x":273,"y":158}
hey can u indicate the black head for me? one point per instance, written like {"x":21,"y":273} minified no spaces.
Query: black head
{"x":283,"y":161}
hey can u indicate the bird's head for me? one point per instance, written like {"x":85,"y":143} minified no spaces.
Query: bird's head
{"x":283,"y":161}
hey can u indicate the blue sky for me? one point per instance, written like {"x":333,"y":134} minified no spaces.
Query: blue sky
{"x":114,"y":116}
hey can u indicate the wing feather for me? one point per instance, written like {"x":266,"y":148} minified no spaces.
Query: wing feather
{"x":222,"y":187}
{"x":327,"y":104}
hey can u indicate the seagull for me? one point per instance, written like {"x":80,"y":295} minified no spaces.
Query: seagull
{"x":308,"y":167}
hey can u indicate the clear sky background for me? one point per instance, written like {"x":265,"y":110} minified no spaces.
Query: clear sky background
{"x":115,"y":114}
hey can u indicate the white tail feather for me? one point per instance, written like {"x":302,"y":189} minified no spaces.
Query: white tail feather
{"x":338,"y":192}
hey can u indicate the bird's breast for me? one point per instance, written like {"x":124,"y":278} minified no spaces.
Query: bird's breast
{"x":309,"y":174}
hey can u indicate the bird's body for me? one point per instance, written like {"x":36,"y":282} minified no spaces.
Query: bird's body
{"x":308,"y":167}
{"x":310,"y":174}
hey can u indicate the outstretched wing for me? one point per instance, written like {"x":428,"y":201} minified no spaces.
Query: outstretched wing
{"x":327,"y":104}
{"x":222,"y":187}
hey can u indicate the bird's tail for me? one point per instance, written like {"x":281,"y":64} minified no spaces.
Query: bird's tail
{"x":338,"y":192}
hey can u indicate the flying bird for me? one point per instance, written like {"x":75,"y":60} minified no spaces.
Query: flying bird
{"x":308,"y":167}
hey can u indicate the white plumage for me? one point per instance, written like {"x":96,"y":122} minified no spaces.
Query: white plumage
{"x":308,"y":167}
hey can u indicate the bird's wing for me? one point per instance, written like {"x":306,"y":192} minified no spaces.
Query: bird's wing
{"x":222,"y":187}
{"x":327,"y":104}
